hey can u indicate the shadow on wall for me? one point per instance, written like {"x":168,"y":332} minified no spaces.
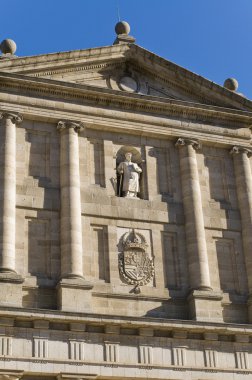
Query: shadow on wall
{"x":224,"y":217}
{"x":170,"y":309}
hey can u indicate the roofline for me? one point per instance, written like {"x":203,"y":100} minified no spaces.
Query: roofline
{"x":123,"y":50}
{"x":195,"y":77}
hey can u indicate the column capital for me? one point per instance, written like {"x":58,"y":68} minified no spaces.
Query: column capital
{"x":16,"y":118}
{"x":67,"y":124}
{"x":241,"y":149}
{"x":185,"y":141}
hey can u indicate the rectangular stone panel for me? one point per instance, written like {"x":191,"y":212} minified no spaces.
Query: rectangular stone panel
{"x":164,"y":171}
{"x":39,"y":247}
{"x":227,"y":265}
{"x":217,"y":178}
{"x":38,"y":153}
{"x":171,"y":260}
{"x":96,"y":162}
{"x":100,"y":265}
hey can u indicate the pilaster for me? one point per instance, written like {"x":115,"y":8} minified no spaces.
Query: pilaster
{"x":109,"y":169}
{"x":151,"y":171}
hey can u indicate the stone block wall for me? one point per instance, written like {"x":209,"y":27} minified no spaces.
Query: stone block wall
{"x":159,"y":215}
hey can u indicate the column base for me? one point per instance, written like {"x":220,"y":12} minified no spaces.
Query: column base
{"x":11,"y":289}
{"x":205,"y":305}
{"x":11,"y":277}
{"x":74,"y":294}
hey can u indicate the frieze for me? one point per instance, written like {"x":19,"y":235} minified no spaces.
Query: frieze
{"x":162,"y":106}
{"x":76,"y":69}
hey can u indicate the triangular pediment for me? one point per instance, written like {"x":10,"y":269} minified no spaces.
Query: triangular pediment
{"x":126,"y":68}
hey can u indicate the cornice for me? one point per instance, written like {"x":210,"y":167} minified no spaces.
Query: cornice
{"x":63,"y":59}
{"x":76,"y":68}
{"x":180,"y":85}
{"x":101,"y":97}
{"x":19,"y":314}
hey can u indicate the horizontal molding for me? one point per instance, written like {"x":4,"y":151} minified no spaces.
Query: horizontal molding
{"x":59,"y":90}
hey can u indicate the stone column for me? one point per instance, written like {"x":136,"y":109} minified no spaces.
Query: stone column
{"x":195,"y":231}
{"x":8,"y":201}
{"x":243,"y":179}
{"x":201,"y":297}
{"x":70,"y":219}
{"x":8,"y":191}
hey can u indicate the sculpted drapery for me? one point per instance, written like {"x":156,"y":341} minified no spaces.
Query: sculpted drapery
{"x":129,"y":177}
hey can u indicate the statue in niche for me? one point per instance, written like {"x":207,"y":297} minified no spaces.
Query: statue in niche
{"x":129,"y":173}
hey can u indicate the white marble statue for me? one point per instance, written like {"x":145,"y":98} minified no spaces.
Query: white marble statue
{"x":129,"y":177}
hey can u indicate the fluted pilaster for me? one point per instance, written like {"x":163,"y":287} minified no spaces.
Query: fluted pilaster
{"x":194,"y":221}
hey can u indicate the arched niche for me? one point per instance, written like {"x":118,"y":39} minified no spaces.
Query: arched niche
{"x":136,"y":155}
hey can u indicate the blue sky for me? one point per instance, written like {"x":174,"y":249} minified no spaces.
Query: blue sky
{"x":210,"y":37}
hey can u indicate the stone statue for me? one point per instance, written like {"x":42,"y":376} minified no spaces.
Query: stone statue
{"x":129,"y":177}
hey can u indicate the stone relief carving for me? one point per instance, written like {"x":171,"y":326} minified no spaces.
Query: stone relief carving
{"x":136,"y":267}
{"x":129,"y":175}
{"x":127,"y":83}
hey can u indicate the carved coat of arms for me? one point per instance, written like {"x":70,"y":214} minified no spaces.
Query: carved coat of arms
{"x":135,"y":264}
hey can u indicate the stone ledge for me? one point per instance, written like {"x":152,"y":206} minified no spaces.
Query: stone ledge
{"x":170,"y":367}
{"x":167,"y":329}
{"x":83,"y":376}
{"x":78,"y":283}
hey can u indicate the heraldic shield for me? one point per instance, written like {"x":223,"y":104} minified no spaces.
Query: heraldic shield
{"x":135,"y":265}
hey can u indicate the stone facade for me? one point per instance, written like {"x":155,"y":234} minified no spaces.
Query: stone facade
{"x":99,"y":285}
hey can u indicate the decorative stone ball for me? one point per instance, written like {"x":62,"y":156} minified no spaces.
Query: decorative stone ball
{"x":231,"y":84}
{"x":122,"y":27}
{"x":8,"y":46}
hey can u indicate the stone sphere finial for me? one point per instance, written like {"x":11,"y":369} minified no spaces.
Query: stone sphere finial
{"x":8,"y":46}
{"x":122,"y":27}
{"x":231,"y":84}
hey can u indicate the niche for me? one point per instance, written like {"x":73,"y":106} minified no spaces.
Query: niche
{"x":129,"y":173}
